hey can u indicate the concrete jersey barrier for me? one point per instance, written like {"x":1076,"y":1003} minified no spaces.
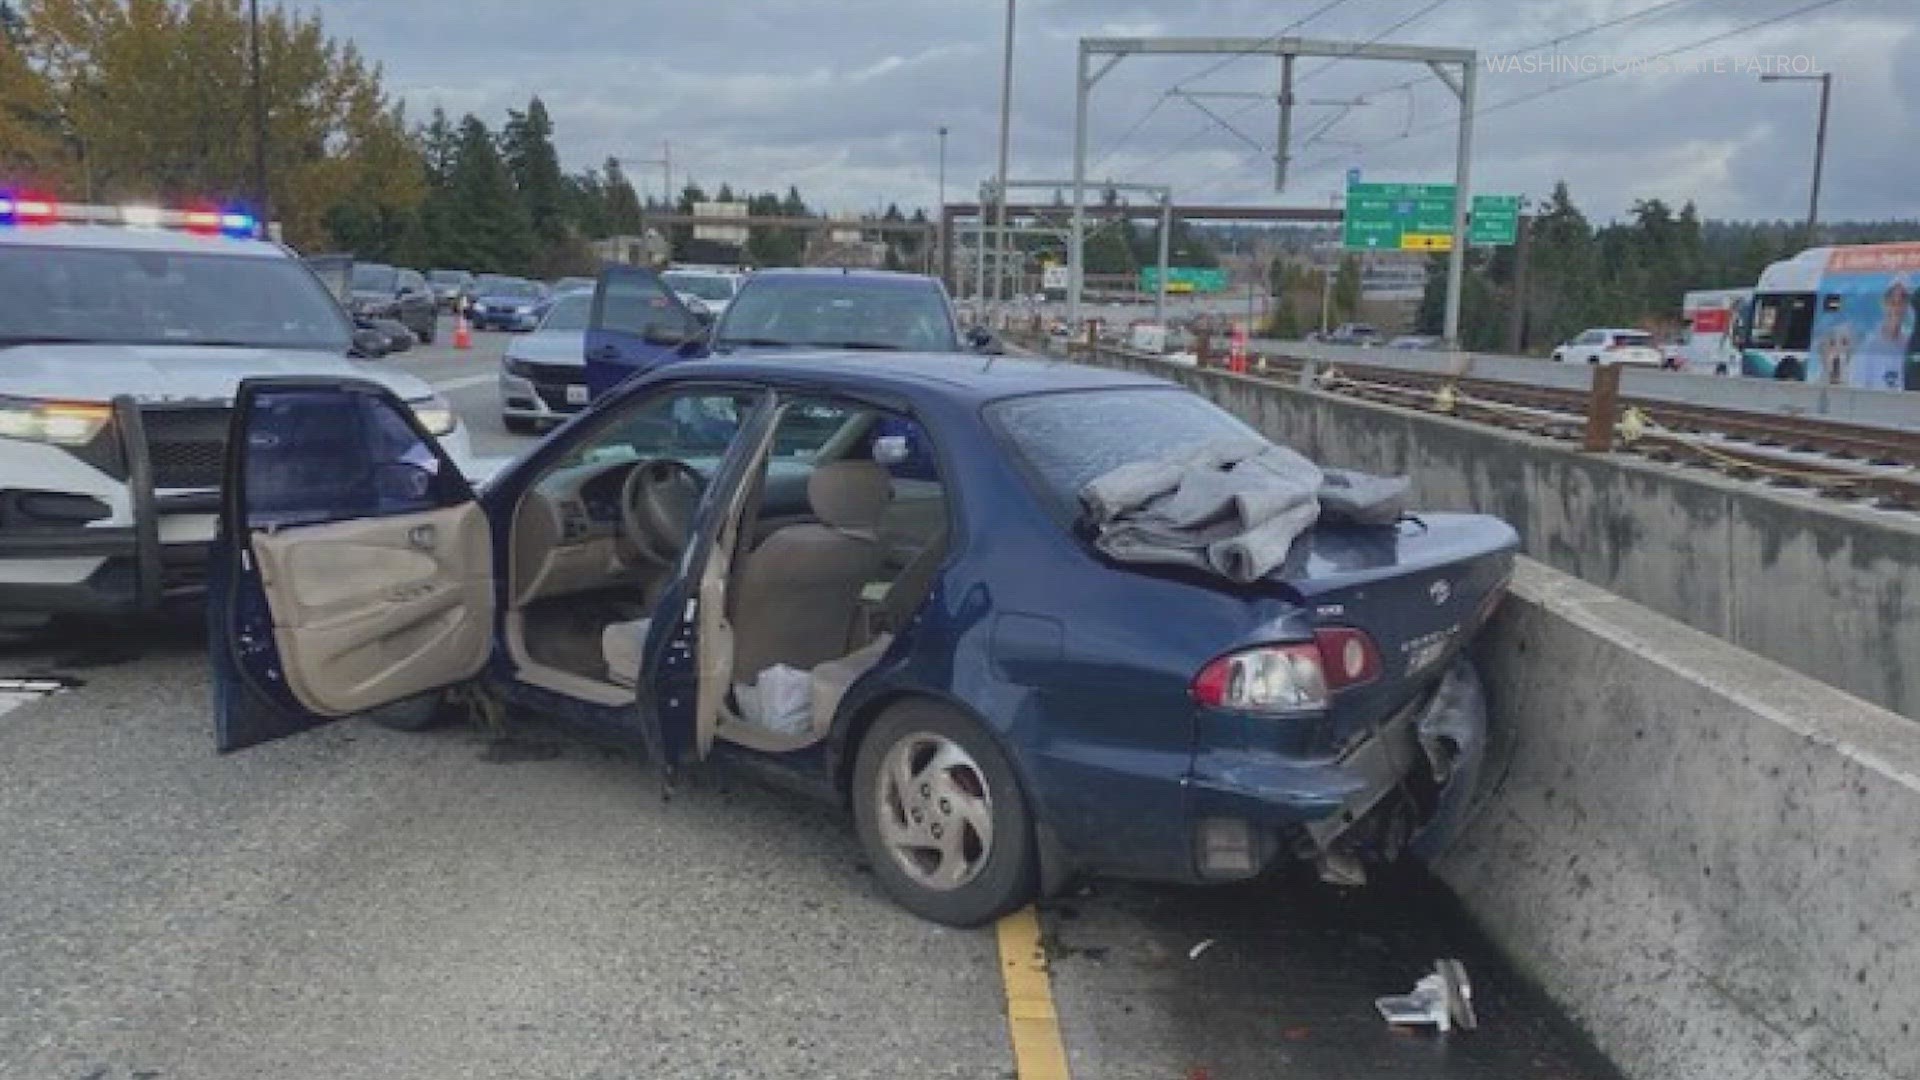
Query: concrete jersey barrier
{"x":1708,"y":859}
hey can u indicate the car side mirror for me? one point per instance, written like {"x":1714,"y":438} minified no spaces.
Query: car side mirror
{"x":984,"y":341}
{"x":368,"y":343}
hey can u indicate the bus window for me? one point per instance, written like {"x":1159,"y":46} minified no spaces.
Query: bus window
{"x":1782,"y":321}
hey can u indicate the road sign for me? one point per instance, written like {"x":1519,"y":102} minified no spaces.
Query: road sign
{"x":1184,"y":279}
{"x":1399,"y":217}
{"x":1496,"y":220}
{"x":1353,"y":176}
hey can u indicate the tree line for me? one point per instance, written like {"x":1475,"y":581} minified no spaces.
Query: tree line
{"x":1633,"y":272}
{"x":110,"y":101}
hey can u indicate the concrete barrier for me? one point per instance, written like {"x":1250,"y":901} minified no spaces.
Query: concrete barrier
{"x":1708,"y":859}
{"x":1829,"y":589}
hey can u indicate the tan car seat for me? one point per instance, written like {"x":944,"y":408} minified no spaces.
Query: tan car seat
{"x":796,"y":598}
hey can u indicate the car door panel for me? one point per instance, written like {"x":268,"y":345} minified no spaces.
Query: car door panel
{"x":376,"y":610}
{"x":353,"y":567}
{"x":637,"y":324}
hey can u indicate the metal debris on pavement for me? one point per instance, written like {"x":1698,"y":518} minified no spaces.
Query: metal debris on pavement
{"x":1443,"y":1000}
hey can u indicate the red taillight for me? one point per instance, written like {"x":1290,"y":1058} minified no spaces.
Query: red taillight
{"x":34,"y":210}
{"x":1348,"y":656}
{"x":1264,"y":679}
{"x":203,"y":221}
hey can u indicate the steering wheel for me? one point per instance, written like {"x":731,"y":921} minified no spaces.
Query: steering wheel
{"x":657,"y":502}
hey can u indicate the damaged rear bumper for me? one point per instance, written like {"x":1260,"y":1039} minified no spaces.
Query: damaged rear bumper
{"x":1404,"y":788}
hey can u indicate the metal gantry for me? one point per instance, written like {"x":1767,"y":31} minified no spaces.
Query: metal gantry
{"x":1443,"y":62}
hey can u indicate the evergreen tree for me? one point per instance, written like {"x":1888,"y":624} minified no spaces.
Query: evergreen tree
{"x":623,"y":205}
{"x":491,"y":230}
{"x":526,"y":148}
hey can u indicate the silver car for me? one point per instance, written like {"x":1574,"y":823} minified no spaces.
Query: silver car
{"x":543,"y":376}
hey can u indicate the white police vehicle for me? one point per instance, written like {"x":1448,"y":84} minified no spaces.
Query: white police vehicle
{"x":124,"y":332}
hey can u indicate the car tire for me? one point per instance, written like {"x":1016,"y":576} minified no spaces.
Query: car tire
{"x":417,"y":713}
{"x":432,"y":331}
{"x":521,"y":425}
{"x":1002,"y":873}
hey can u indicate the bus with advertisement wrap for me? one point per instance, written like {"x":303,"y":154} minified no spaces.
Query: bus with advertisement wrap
{"x":1845,"y":316}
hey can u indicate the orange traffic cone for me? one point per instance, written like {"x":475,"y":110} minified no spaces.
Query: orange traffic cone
{"x":462,"y":333}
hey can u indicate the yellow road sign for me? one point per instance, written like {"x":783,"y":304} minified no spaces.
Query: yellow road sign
{"x":1426,"y":242}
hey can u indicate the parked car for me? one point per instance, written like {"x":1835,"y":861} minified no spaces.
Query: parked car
{"x":507,"y":303}
{"x":712,"y":289}
{"x":395,"y":336}
{"x":1354,"y":334}
{"x":451,"y":288}
{"x":1416,"y":343}
{"x":572,"y":284}
{"x":640,"y":322}
{"x":728,"y":560}
{"x":543,"y":376}
{"x":380,"y":291}
{"x":1612,"y":346}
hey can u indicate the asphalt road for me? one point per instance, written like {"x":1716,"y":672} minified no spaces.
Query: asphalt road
{"x":355,"y":902}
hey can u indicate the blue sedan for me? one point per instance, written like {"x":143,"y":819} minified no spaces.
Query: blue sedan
{"x":749,"y":559}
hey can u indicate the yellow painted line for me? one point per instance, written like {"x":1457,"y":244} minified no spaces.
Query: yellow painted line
{"x":1038,"y":1053}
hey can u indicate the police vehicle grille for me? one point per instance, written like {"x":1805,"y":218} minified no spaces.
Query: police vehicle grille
{"x":188,"y":446}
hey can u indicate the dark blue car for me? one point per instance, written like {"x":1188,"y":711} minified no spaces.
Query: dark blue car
{"x":639,"y":322}
{"x":507,"y":303}
{"x":731,"y":559}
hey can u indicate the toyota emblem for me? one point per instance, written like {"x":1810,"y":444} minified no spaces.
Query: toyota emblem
{"x":1440,"y":591}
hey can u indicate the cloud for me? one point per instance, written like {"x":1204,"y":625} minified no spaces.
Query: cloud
{"x":844,"y":97}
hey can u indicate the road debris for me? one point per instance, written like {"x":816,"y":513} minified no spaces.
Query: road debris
{"x":1443,"y":1000}
{"x":1194,"y":953}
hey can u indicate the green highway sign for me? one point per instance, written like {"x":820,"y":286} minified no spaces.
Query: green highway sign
{"x":1399,"y":217}
{"x":1419,"y":217}
{"x":1184,"y":279}
{"x":1496,"y":220}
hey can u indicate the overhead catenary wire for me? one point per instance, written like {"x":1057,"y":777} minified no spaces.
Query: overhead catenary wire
{"x":1604,"y":73}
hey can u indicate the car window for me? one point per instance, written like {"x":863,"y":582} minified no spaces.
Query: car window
{"x":1633,"y":339}
{"x":569,"y":312}
{"x":684,"y":425}
{"x":704,"y":286}
{"x":837,"y":312}
{"x":324,"y":455}
{"x":375,"y":277}
{"x":165,"y":298}
{"x":411,"y":281}
{"x":640,"y":305}
{"x":1068,"y":439}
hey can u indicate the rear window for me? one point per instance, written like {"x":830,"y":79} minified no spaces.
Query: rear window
{"x":1633,"y":339}
{"x":832,"y":311}
{"x":1067,"y":439}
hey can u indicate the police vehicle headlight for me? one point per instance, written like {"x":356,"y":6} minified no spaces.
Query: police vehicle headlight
{"x":62,"y":423}
{"x":434,"y":414}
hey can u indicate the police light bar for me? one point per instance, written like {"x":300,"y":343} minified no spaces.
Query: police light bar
{"x":28,"y":210}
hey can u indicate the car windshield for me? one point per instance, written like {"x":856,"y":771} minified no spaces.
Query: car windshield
{"x":569,"y":312}
{"x":373,"y":277}
{"x":165,"y":298}
{"x":1070,"y":438}
{"x":704,"y":286}
{"x":447,"y":277}
{"x":838,"y":312}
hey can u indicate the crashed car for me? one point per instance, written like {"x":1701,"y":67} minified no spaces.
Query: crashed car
{"x":873,"y":574}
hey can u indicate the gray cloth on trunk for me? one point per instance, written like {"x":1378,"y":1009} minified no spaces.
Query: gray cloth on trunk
{"x":1232,"y":509}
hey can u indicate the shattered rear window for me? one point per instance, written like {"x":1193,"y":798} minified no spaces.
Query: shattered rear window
{"x":1067,"y":439}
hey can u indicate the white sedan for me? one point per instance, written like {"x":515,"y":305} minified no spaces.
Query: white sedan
{"x":1634,"y":347}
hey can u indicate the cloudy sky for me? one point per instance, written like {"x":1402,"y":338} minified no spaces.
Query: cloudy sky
{"x":844,"y":97}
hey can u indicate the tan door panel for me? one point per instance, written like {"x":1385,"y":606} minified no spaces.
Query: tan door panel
{"x":371,"y":611}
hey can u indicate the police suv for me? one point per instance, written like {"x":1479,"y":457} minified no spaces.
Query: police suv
{"x":124,"y":332}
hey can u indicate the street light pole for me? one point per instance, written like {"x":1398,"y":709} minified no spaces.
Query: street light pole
{"x":259,"y":120}
{"x":942,"y":207}
{"x":1006,"y":126}
{"x":1825,"y":79}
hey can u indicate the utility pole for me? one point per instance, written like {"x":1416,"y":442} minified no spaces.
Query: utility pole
{"x":1825,"y":79}
{"x":944,"y":238}
{"x":1000,"y":182}
{"x":1517,"y":315}
{"x":259,"y":121}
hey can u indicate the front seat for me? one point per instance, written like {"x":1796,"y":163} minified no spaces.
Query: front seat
{"x":795,"y":599}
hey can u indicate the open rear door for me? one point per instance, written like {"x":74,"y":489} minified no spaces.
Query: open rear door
{"x":354,"y":567}
{"x":638,"y":323}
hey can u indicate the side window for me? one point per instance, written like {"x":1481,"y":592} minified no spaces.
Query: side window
{"x":640,"y":304}
{"x":324,"y":454}
{"x":411,"y":281}
{"x":694,"y":425}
